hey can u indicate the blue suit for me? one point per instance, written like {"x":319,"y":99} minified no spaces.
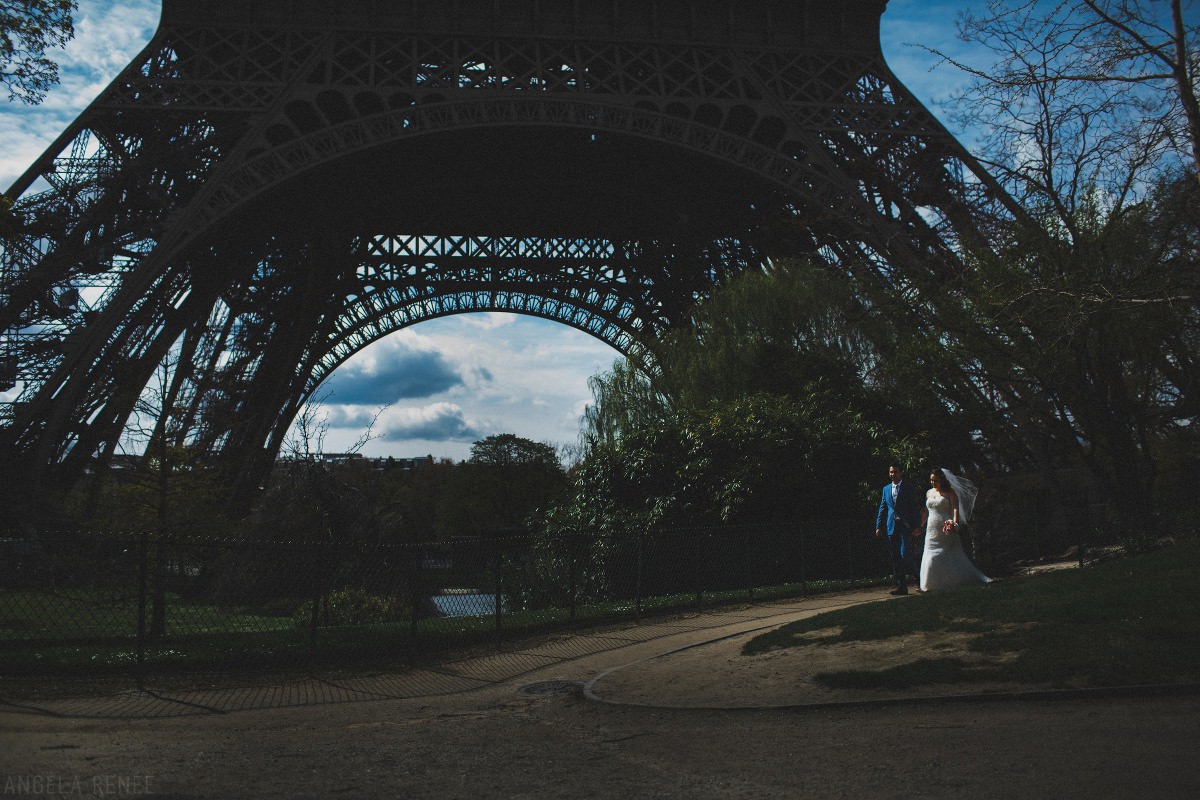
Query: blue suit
{"x":899,"y":516}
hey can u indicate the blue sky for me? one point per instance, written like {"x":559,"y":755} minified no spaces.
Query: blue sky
{"x":447,"y":382}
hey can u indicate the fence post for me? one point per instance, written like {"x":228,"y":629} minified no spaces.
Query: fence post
{"x":499,"y":561}
{"x":637,"y":588}
{"x":1037,"y":525}
{"x":143,"y":555}
{"x":573,"y":557}
{"x":698,"y":569}
{"x":1087,"y":524}
{"x":750,"y":550}
{"x":803,"y":562}
{"x":314,"y":617}
{"x":417,"y":559}
{"x":850,"y":557}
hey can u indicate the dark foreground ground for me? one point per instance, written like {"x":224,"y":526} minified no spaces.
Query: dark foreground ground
{"x":502,"y":741}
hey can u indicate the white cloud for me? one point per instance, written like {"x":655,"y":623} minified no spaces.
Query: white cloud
{"x":436,"y":421}
{"x":23,"y":143}
{"x":108,"y":34}
{"x":526,"y":376}
{"x":489,"y":320}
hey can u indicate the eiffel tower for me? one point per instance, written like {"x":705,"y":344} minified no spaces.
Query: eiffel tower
{"x":271,"y":185}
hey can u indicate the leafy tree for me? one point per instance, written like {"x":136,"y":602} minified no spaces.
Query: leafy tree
{"x":506,"y":449}
{"x":28,"y":28}
{"x":505,"y":480}
{"x":1079,"y":327}
{"x":171,"y":491}
{"x":311,"y":499}
{"x":775,"y":399}
{"x":624,"y":400}
{"x":800,"y":330}
{"x":9,"y":224}
{"x":758,"y":458}
{"x":774,"y":331}
{"x":410,"y":499}
{"x":1090,"y":341}
{"x":1083,"y":95}
{"x":309,"y":502}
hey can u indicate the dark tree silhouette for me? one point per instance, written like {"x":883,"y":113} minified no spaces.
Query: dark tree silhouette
{"x":28,"y":28}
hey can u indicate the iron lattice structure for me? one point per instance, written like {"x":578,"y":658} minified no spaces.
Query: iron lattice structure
{"x":273,"y":184}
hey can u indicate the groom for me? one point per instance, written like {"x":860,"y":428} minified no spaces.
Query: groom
{"x":900,"y":515}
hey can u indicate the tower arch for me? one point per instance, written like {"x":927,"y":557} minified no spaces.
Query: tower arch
{"x":270,"y":186}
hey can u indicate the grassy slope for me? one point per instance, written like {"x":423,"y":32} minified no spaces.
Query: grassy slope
{"x":1130,"y":621}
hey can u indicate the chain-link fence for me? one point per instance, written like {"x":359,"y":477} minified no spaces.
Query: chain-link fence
{"x":138,"y":605}
{"x":90,"y":604}
{"x":1032,"y":518}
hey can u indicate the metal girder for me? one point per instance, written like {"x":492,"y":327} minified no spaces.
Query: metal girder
{"x":272,"y":185}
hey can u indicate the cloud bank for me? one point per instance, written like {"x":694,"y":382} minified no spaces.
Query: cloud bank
{"x":395,"y":369}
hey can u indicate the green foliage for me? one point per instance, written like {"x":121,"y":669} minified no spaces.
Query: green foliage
{"x":762,"y":457}
{"x":777,"y":331}
{"x":1079,"y":322}
{"x":308,"y":501}
{"x":27,"y":29}
{"x":353,"y":606}
{"x":542,"y":580}
{"x":9,"y":222}
{"x":624,"y":400}
{"x":776,"y":399}
{"x":411,"y":502}
{"x":179,"y":496}
{"x":506,"y":479}
{"x":506,"y":449}
{"x":1088,"y":337}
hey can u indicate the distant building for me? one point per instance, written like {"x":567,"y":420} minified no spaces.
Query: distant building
{"x":359,"y":461}
{"x":402,"y":463}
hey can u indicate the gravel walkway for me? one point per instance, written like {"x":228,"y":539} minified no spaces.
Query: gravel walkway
{"x":518,"y":724}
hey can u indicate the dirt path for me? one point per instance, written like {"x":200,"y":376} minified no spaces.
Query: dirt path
{"x":502,"y":742}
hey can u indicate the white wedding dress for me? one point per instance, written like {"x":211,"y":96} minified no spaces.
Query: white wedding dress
{"x":945,"y":562}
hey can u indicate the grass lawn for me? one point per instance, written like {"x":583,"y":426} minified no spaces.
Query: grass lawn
{"x":1124,"y":622}
{"x":90,"y":614}
{"x":93,"y":632}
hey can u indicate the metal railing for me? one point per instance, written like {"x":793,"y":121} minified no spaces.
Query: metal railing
{"x":89,"y":604}
{"x":92,"y":604}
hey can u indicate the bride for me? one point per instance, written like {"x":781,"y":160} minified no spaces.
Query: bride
{"x":945,"y":562}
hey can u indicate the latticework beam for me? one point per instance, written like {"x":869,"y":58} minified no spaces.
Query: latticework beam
{"x":271,"y":186}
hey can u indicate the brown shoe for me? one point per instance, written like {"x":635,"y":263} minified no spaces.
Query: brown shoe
{"x":898,"y":591}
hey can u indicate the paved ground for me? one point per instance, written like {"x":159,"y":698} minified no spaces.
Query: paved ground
{"x":556,"y":720}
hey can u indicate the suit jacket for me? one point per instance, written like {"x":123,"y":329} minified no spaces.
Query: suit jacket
{"x":905,"y":510}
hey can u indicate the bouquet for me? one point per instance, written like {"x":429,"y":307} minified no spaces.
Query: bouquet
{"x":948,"y":526}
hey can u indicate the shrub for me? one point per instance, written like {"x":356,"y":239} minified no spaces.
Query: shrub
{"x":354,"y":606}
